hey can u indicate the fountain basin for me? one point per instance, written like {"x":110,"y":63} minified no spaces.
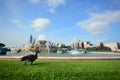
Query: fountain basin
{"x":66,"y":56}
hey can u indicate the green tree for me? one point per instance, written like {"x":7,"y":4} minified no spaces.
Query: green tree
{"x":99,"y":49}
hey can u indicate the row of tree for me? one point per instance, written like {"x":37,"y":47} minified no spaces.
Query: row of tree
{"x":103,"y":48}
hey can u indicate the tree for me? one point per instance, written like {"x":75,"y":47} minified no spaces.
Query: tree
{"x":99,"y":49}
{"x":2,"y":45}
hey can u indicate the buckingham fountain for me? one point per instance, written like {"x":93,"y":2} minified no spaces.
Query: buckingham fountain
{"x":50,"y":49}
{"x":44,"y":46}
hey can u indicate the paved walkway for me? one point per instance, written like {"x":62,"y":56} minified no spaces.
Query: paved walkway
{"x":61,"y":58}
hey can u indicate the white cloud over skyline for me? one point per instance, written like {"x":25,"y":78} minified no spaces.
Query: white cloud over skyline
{"x":97,"y":19}
{"x":41,"y":23}
{"x":17,"y":23}
{"x":99,"y":23}
{"x":51,"y":4}
{"x":55,"y":3}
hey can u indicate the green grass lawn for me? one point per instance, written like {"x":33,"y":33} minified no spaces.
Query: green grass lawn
{"x":60,"y":70}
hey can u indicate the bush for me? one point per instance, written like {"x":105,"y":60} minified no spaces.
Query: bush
{"x":99,"y":49}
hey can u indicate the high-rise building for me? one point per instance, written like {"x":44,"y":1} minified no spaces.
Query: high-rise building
{"x":80,"y":44}
{"x":87,"y":44}
{"x":99,"y":44}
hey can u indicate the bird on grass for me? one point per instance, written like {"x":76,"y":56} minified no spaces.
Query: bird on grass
{"x":31,"y":58}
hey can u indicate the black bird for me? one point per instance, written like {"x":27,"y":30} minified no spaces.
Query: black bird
{"x":31,"y":58}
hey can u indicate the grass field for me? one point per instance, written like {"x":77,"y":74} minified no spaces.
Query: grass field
{"x":60,"y":70}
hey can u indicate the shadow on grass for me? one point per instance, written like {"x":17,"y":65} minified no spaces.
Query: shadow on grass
{"x":39,"y":64}
{"x":36,"y":64}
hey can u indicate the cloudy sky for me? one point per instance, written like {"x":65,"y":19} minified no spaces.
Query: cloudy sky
{"x":59,"y":20}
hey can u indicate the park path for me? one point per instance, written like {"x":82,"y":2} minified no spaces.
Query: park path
{"x":61,"y":58}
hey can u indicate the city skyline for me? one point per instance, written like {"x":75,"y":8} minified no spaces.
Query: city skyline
{"x":59,"y":20}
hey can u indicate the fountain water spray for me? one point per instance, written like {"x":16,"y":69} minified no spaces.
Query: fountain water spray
{"x":74,"y":51}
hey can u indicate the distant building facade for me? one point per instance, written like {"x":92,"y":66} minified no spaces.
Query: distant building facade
{"x":115,"y":46}
{"x":99,"y":44}
{"x":87,"y":44}
{"x":81,"y":45}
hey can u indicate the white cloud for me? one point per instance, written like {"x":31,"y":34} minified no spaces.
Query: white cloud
{"x":98,"y":23}
{"x":17,"y":23}
{"x":41,"y":23}
{"x":53,"y":4}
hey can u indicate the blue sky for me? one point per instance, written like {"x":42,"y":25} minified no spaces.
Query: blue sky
{"x":59,"y":20}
